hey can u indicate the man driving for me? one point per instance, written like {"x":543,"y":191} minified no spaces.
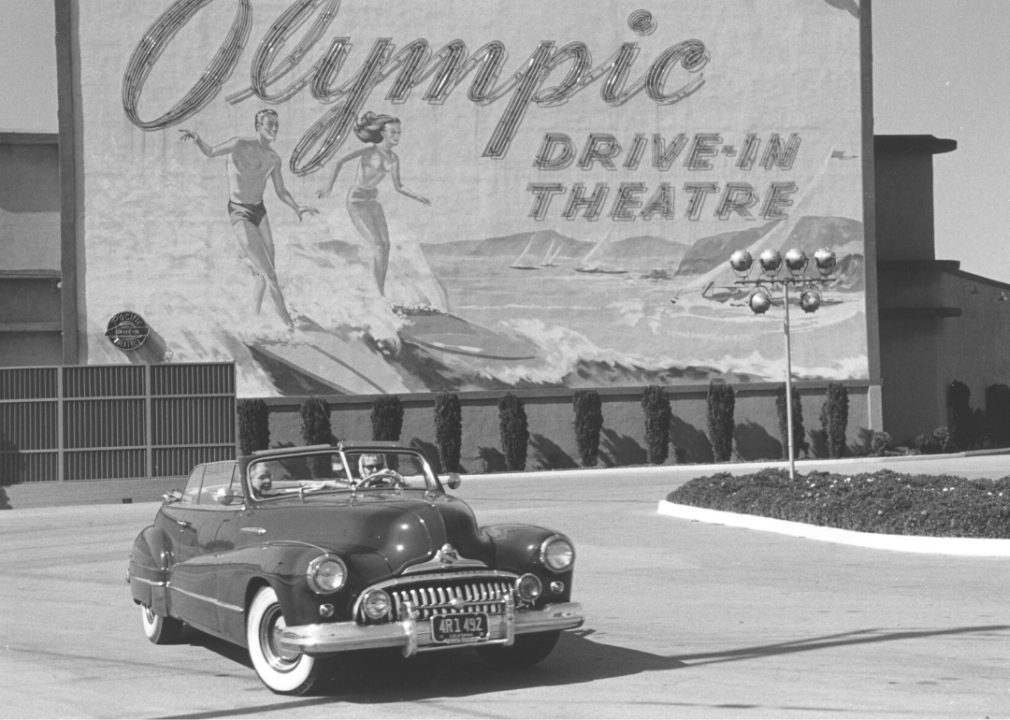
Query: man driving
{"x":369,"y":465}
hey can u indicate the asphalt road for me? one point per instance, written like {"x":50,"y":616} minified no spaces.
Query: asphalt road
{"x":684,"y":620}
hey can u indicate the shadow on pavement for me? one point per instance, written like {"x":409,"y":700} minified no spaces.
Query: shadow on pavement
{"x":375,"y":678}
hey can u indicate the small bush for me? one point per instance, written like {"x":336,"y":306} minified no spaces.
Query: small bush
{"x":880,"y":444}
{"x":253,"y":426}
{"x":835,"y":418}
{"x":721,"y":405}
{"x":944,"y":442}
{"x":515,"y":435}
{"x":448,"y":430}
{"x":387,"y":418}
{"x":997,"y":410}
{"x":588,"y":422}
{"x":799,"y":432}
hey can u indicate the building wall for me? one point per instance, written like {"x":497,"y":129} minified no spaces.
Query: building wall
{"x":622,"y":442}
{"x":30,"y":290}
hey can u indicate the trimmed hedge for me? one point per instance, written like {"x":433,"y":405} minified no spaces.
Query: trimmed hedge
{"x":835,"y":418}
{"x":997,"y":412}
{"x":514,"y":431}
{"x":448,"y":430}
{"x":961,"y":418}
{"x":253,"y":426}
{"x":387,"y":418}
{"x":656,"y":404}
{"x":799,"y":432}
{"x":588,"y":423}
{"x":316,"y":428}
{"x":880,"y":502}
{"x":721,"y":406}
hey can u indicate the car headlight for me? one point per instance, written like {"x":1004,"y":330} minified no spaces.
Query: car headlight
{"x":557,"y":553}
{"x":528,"y":587}
{"x":375,"y":604}
{"x":326,"y":574}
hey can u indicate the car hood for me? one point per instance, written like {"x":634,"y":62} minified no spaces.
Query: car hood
{"x":404,"y":529}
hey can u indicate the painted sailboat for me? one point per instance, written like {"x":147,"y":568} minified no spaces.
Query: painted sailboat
{"x":531,"y":259}
{"x":589,"y":264}
{"x":552,"y":252}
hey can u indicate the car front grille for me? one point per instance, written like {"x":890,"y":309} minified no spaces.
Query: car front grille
{"x":484,"y":595}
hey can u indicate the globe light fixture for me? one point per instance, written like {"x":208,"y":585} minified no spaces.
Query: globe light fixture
{"x":771,"y":261}
{"x":825,"y":261}
{"x":796,"y":261}
{"x":760,"y":300}
{"x":741,"y":262}
{"x":810,"y":300}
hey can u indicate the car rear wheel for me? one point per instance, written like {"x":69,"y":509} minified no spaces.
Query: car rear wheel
{"x":160,"y":630}
{"x":526,"y":651}
{"x":284,"y":672}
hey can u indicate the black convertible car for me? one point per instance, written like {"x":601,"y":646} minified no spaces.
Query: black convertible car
{"x":303,"y":553}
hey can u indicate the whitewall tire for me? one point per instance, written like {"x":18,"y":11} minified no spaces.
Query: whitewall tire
{"x":283,"y":672}
{"x":159,"y":630}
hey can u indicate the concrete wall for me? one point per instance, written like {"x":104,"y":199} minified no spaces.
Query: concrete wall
{"x":550,"y":417}
{"x":30,"y":277}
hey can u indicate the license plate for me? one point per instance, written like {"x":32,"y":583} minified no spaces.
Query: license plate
{"x":462,"y":628}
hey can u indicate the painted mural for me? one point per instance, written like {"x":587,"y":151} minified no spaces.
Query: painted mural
{"x":354,"y":196}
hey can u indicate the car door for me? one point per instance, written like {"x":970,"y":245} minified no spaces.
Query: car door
{"x":194,"y":578}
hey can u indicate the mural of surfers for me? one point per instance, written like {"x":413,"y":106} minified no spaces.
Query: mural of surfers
{"x":251,"y":162}
{"x":376,"y":160}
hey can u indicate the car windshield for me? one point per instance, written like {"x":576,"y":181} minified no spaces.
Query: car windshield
{"x":357,"y":470}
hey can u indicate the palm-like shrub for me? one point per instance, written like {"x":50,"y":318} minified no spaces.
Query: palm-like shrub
{"x":316,"y":430}
{"x":448,"y":430}
{"x":515,"y":435}
{"x":962,"y":425}
{"x":387,"y":418}
{"x":997,"y":412}
{"x":721,"y":406}
{"x":799,"y":432}
{"x":656,"y":404}
{"x":835,"y":418}
{"x":588,"y":422}
{"x":253,"y":426}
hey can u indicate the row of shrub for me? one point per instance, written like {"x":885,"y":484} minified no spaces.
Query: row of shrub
{"x":387,"y":424}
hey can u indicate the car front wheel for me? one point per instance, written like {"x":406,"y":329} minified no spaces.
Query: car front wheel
{"x":284,"y":672}
{"x":526,"y":651}
{"x":160,"y":630}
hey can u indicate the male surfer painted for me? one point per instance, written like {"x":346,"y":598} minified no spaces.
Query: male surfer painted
{"x":250,"y":162}
{"x":380,"y":133}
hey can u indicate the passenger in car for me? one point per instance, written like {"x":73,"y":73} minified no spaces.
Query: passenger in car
{"x":262,"y":476}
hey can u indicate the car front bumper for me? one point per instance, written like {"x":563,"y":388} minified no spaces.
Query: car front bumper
{"x":414,"y":635}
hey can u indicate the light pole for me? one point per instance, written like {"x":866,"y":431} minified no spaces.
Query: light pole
{"x":760,"y":300}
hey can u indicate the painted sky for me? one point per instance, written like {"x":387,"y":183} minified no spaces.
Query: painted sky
{"x":939,"y":68}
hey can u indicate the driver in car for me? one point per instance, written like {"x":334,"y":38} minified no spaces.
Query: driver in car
{"x":369,"y":465}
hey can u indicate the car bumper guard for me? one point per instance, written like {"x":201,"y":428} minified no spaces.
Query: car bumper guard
{"x":413,"y":635}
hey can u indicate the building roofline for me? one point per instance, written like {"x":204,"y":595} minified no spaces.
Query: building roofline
{"x":913,"y":144}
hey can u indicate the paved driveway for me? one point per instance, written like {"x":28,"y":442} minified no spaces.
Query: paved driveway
{"x":685,"y":620}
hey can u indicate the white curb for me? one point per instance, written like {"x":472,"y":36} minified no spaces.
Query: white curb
{"x":900,"y":543}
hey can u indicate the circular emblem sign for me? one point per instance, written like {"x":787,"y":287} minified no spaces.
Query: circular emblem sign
{"x":127,"y":330}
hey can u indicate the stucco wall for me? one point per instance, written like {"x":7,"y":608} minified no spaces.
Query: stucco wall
{"x":29,"y":206}
{"x":550,"y":417}
{"x":904,"y":202}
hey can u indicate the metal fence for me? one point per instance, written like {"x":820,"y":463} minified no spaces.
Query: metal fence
{"x":114,"y":421}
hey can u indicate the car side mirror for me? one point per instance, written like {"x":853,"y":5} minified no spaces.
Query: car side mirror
{"x":172,"y":496}
{"x":225,"y":496}
{"x":452,"y":482}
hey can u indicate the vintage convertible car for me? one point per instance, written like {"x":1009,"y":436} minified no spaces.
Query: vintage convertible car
{"x":304,"y":553}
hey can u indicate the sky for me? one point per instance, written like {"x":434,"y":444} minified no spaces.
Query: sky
{"x":939,"y":66}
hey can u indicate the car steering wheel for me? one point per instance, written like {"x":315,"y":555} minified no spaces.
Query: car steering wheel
{"x":379,"y":477}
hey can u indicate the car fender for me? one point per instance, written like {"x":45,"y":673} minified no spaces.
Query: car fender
{"x":150,"y":569}
{"x":517,"y":549}
{"x":283,"y":565}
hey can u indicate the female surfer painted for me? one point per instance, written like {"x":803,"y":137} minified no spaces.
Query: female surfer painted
{"x":380,"y":133}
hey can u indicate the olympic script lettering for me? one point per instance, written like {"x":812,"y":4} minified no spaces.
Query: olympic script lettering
{"x":414,"y":64}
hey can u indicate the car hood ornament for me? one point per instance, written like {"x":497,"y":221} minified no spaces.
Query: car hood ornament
{"x":447,"y":555}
